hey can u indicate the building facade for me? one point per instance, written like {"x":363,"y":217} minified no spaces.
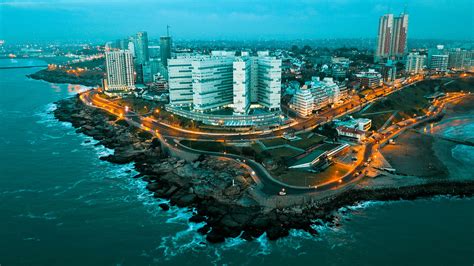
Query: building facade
{"x":141,"y":48}
{"x":180,"y":80}
{"x":460,"y":59}
{"x":120,"y":71}
{"x":207,"y":83}
{"x":415,"y":63}
{"x":391,"y":37}
{"x":439,"y":62}
{"x":212,"y":83}
{"x":165,"y":49}
{"x":304,"y":102}
{"x":370,"y":79}
{"x":269,"y":82}
{"x":241,"y":85}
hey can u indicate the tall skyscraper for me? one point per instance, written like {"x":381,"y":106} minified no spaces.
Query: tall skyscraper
{"x":165,"y":49}
{"x":399,"y":36}
{"x":120,"y":71}
{"x":141,"y":48}
{"x":140,"y":44}
{"x":392,"y":37}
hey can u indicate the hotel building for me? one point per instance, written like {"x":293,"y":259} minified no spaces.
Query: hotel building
{"x":120,"y":71}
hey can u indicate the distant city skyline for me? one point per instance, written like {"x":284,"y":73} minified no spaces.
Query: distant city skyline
{"x":23,"y":20}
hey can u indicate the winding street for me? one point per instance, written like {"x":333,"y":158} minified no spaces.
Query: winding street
{"x":266,"y":183}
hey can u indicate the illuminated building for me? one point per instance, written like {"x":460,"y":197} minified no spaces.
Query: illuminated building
{"x":304,"y":102}
{"x":392,"y":37}
{"x":415,"y":63}
{"x":120,"y":71}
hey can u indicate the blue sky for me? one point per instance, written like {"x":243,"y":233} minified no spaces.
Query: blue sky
{"x":24,"y":20}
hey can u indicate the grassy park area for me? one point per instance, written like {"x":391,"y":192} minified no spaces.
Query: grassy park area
{"x":413,"y":100}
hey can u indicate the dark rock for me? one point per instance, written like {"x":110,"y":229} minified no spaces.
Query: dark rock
{"x":164,"y":206}
{"x":197,"y":219}
{"x":185,"y":200}
{"x":170,"y":191}
{"x":215,"y":237}
{"x":276,"y":231}
{"x":153,"y":186}
{"x":229,"y":222}
{"x":204,"y":230}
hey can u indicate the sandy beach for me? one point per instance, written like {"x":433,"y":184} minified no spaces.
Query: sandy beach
{"x":427,"y":155}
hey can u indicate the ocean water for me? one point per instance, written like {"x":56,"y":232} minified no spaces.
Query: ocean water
{"x":61,"y":205}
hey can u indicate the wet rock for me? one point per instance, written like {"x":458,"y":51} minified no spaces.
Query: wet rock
{"x":153,"y":186}
{"x":215,"y":237}
{"x":185,"y":200}
{"x":164,"y":206}
{"x":229,"y":222}
{"x":170,"y":191}
{"x":276,"y":231}
{"x":197,"y":218}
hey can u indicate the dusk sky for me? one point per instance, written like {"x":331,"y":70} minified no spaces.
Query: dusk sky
{"x":208,"y":19}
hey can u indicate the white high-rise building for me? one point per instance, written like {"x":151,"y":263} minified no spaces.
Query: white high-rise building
{"x":120,"y":71}
{"x":206,"y":83}
{"x":212,"y":83}
{"x":180,"y":80}
{"x":241,"y":71}
{"x":415,"y":63}
{"x":304,"y":102}
{"x":269,"y":82}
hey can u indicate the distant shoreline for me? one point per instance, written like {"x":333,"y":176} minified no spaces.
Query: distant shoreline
{"x":62,"y":78}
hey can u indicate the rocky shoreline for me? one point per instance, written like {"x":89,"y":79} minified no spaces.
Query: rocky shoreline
{"x":219,"y":190}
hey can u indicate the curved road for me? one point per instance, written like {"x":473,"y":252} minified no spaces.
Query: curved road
{"x":267,"y":183}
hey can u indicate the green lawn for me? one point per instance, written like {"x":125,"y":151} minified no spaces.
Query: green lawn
{"x":283,"y":153}
{"x":275,"y":142}
{"x":305,"y":143}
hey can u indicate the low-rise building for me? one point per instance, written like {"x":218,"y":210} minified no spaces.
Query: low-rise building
{"x":370,"y":79}
{"x":351,"y":133}
{"x":363,"y":124}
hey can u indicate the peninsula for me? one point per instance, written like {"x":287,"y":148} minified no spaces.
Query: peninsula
{"x":235,"y":192}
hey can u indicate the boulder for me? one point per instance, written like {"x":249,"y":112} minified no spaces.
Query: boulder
{"x":153,"y":186}
{"x":164,"y":206}
{"x":197,"y":219}
{"x":185,"y":200}
{"x":215,"y":237}
{"x":276,"y":231}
